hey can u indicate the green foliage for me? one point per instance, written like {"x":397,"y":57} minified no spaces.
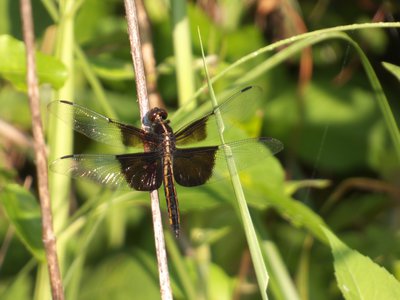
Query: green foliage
{"x":358,"y":277}
{"x":355,"y":114}
{"x":23,"y":212}
{"x":19,"y":289}
{"x":122,"y":276}
{"x":13,"y":65}
{"x":339,"y":171}
{"x":395,"y":70}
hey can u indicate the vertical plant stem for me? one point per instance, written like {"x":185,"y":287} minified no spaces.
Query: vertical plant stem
{"x":183,"y":51}
{"x":136,"y":52}
{"x":243,"y":210}
{"x":48,"y":236}
{"x":60,"y":136}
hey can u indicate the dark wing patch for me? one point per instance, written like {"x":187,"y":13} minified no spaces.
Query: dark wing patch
{"x":194,"y":166}
{"x":142,"y":171}
{"x":138,"y":171}
{"x":194,"y":132}
{"x":197,"y":166}
{"x":99,"y":127}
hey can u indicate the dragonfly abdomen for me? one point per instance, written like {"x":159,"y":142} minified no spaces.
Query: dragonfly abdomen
{"x":171,"y":195}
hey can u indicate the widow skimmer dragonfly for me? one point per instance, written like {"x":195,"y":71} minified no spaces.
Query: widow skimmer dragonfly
{"x":191,"y":156}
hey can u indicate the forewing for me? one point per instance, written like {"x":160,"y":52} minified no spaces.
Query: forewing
{"x":235,"y":111}
{"x":196,"y":166}
{"x":99,"y":127}
{"x":140,"y":171}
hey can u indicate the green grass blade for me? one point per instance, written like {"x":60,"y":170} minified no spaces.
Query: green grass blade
{"x":183,"y":51}
{"x":60,"y":136}
{"x":322,"y":33}
{"x":251,"y":236}
{"x":281,"y":285}
{"x":312,"y":38}
{"x":395,"y":70}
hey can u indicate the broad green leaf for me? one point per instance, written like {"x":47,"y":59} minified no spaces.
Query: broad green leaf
{"x":219,"y":283}
{"x":23,"y":212}
{"x":358,"y":277}
{"x":112,"y":68}
{"x":333,"y":120}
{"x":122,"y":276}
{"x":14,"y":108}
{"x":13,"y":65}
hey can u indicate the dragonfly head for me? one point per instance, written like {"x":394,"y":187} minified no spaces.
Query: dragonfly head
{"x":157,"y":115}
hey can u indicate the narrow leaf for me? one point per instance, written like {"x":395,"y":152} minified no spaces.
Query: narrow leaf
{"x":251,"y":235}
{"x":395,"y":70}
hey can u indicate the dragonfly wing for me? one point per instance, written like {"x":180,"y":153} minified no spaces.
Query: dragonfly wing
{"x":99,"y":127}
{"x":196,"y":166}
{"x":140,"y":171}
{"x":237,"y":110}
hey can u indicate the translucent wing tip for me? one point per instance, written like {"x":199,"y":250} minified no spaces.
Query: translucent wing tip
{"x":272,"y":144}
{"x":62,"y":165}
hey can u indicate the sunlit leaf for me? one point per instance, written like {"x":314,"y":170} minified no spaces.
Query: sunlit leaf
{"x":13,"y":65}
{"x":220,"y":284}
{"x":358,"y":277}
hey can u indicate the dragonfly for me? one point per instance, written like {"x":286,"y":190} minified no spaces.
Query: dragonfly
{"x":190,"y":156}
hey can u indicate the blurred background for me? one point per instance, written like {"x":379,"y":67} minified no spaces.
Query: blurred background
{"x":339,"y":159}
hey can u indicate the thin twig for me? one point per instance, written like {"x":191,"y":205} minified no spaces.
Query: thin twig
{"x":134,"y":38}
{"x":48,"y":236}
{"x":361,"y":183}
{"x":11,"y":134}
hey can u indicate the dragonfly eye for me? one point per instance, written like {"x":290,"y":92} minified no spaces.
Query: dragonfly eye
{"x":163,"y":114}
{"x":157,"y":114}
